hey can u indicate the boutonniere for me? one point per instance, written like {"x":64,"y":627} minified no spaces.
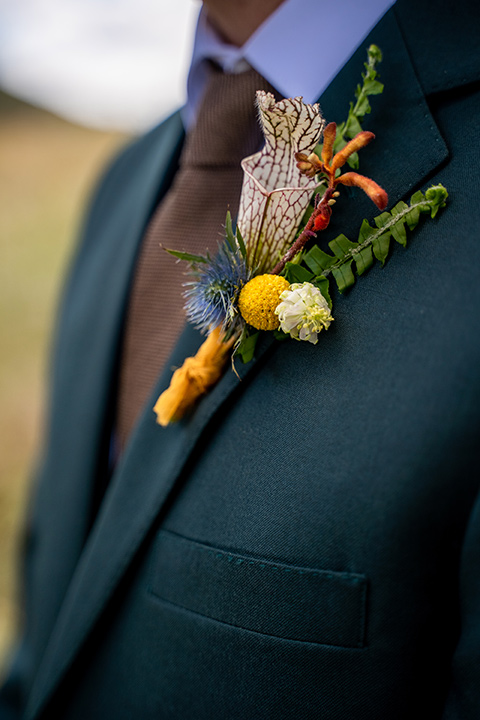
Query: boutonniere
{"x":262,"y":278}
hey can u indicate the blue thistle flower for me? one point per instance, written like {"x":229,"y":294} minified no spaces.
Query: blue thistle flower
{"x":211,"y":297}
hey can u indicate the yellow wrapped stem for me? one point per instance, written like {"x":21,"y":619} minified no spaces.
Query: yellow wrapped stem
{"x":196,"y":376}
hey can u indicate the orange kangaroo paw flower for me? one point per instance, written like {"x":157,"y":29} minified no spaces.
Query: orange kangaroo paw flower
{"x":358,"y":142}
{"x":370,"y":187}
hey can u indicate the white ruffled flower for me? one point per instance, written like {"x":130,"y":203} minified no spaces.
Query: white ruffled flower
{"x":303,"y":312}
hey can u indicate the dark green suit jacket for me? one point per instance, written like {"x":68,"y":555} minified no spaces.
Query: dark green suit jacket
{"x":306,"y":544}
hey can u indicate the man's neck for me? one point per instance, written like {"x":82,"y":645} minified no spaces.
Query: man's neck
{"x":237,"y":21}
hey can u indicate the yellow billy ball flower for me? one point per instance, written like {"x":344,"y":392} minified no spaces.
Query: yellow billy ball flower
{"x":259,"y":299}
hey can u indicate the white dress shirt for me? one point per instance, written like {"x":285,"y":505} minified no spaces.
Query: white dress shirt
{"x":283,"y":47}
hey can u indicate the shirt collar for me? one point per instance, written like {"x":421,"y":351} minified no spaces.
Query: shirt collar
{"x":299,"y":48}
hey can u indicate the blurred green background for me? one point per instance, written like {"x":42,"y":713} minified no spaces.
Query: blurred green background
{"x":47,"y":169}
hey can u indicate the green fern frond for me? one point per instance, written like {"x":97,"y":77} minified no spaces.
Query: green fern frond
{"x":373,"y":242}
{"x":361,"y":107}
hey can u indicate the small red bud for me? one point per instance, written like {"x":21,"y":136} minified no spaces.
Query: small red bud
{"x":322,"y":219}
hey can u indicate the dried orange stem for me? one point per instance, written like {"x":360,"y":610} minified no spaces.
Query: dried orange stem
{"x":196,"y":376}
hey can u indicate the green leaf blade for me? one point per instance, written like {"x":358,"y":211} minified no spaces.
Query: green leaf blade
{"x":352,"y":127}
{"x":229,"y":234}
{"x":317,"y":260}
{"x":189,"y":257}
{"x":381,"y":247}
{"x":344,"y":276}
{"x":322,"y":283}
{"x":400,"y":234}
{"x":246,"y":347}
{"x":341,"y":245}
{"x":364,"y":260}
{"x":398,"y":230}
{"x":241,"y":243}
{"x":366,"y":231}
{"x":362,"y":106}
{"x":381,"y":220}
{"x":373,"y":87}
{"x":413,"y":216}
{"x":353,"y":161}
{"x":297,"y":273}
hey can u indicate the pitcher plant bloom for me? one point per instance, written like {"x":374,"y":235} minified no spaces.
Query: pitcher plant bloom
{"x":275,"y":192}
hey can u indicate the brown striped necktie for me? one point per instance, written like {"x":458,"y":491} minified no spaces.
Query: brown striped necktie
{"x":189,"y":218}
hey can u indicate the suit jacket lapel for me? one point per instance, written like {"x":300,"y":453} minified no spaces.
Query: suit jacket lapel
{"x":408,"y":149}
{"x":87,"y":338}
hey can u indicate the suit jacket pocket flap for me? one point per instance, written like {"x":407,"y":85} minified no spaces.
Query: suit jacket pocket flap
{"x":273,"y":598}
